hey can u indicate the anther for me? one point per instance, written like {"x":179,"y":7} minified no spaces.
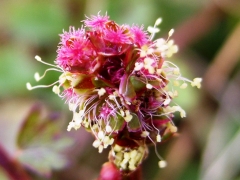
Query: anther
{"x":29,"y":87}
{"x":162,"y":164}
{"x":37,"y":76}
{"x":38,"y":58}
{"x":170,"y":33}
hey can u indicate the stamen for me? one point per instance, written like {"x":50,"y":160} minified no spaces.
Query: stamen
{"x":197,"y":82}
{"x":149,"y":86}
{"x":38,"y":58}
{"x":56,"y":89}
{"x":184,"y":86}
{"x":153,"y":30}
{"x":162,"y":164}
{"x":30,"y":87}
{"x":128,"y":116}
{"x":37,"y":77}
{"x":158,"y":21}
{"x":145,"y":134}
{"x":158,"y":138}
{"x":170,"y":33}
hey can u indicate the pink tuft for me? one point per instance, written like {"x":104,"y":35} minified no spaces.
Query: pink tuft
{"x":96,"y":22}
{"x":74,"y":49}
{"x":139,"y":35}
{"x":116,"y":36}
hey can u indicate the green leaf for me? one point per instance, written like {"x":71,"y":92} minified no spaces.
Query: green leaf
{"x":27,"y":130}
{"x":41,"y":142}
{"x":42,"y":160}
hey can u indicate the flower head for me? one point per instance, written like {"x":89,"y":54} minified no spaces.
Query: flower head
{"x":119,"y":85}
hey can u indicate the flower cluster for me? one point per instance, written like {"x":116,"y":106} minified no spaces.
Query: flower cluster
{"x":119,"y":85}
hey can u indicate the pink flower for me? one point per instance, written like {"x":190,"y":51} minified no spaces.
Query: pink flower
{"x":119,"y":87}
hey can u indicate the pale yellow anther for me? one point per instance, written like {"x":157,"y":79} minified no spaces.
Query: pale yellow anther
{"x":71,"y":106}
{"x":176,"y":83}
{"x":117,"y":148}
{"x":160,"y":42}
{"x":184,"y":86}
{"x":123,"y":165}
{"x":96,"y":143}
{"x":145,"y":134}
{"x":175,"y":93}
{"x":77,"y":117}
{"x":149,"y":86}
{"x":153,"y":30}
{"x":95,"y":127}
{"x":29,"y":87}
{"x":158,"y":21}
{"x":86,"y":124}
{"x":150,"y":51}
{"x":119,"y":155}
{"x":108,"y":129}
{"x":122,"y":113}
{"x":174,"y":49}
{"x":170,"y":43}
{"x":106,"y":139}
{"x":138,"y":66}
{"x":148,"y":61}
{"x":37,"y":76}
{"x":158,"y":138}
{"x":170,"y":94}
{"x":111,"y":97}
{"x":38,"y":58}
{"x":176,"y":71}
{"x":143,"y":51}
{"x":128,"y":116}
{"x":162,"y":164}
{"x":132,"y":167}
{"x":111,"y":141}
{"x":167,"y":101}
{"x":170,"y":33}
{"x":70,"y":126}
{"x":100,"y":149}
{"x":126,"y":155}
{"x":197,"y":82}
{"x":138,"y":156}
{"x":56,"y":89}
{"x":133,"y":154}
{"x":100,"y":134}
{"x":101,"y":92}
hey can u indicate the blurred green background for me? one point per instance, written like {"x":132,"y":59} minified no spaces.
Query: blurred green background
{"x":34,"y":143}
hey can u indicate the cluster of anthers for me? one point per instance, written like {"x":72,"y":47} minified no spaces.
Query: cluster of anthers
{"x":119,"y":85}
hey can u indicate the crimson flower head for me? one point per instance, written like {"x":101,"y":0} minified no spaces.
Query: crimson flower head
{"x":119,"y":85}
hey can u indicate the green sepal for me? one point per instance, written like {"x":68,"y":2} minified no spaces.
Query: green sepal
{"x":117,"y":123}
{"x":137,"y":84}
{"x":134,"y":124}
{"x":126,"y":88}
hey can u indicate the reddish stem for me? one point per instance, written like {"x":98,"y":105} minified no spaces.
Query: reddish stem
{"x":13,"y":168}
